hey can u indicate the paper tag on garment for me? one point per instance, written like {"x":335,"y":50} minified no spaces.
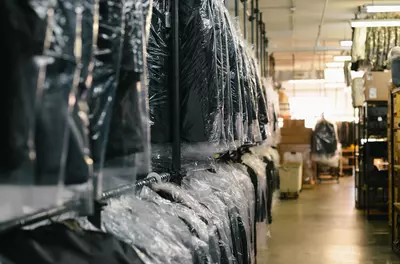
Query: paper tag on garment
{"x":372,"y":93}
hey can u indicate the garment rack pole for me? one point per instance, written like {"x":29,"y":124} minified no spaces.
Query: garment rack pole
{"x":266,"y":64}
{"x":252,"y":21}
{"x":245,"y":19}
{"x":236,"y":8}
{"x":260,"y":25}
{"x":176,"y":115}
{"x":257,"y":11}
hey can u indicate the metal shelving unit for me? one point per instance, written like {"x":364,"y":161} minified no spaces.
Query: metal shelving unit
{"x":373,"y":146}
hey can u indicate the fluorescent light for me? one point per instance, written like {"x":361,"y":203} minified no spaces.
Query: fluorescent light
{"x":346,"y":43}
{"x":335,"y":65}
{"x":342,"y":58}
{"x":376,"y":23}
{"x":307,"y":81}
{"x":382,"y":8}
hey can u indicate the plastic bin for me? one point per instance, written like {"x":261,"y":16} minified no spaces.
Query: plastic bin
{"x":290,"y":177}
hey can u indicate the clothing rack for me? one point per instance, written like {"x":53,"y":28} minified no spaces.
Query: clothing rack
{"x":176,"y":173}
{"x":258,"y":26}
{"x":42,"y":215}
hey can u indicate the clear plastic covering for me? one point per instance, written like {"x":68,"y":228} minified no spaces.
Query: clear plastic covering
{"x":394,"y":57}
{"x":223,"y":102}
{"x":162,"y":238}
{"x":210,"y":219}
{"x":119,"y":97}
{"x":234,"y":189}
{"x":45,"y":141}
{"x":273,"y":129}
{"x":201,"y":82}
{"x":259,"y":177}
{"x":325,"y":146}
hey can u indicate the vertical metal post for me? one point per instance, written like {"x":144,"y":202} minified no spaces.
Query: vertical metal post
{"x":260,"y":25}
{"x":252,"y":21}
{"x":257,"y":11}
{"x":392,"y":171}
{"x":245,"y":19}
{"x":176,"y":122}
{"x":236,"y":8}
{"x":266,"y":56}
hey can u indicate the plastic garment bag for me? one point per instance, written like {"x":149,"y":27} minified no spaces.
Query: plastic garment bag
{"x":324,"y":145}
{"x":106,"y":73}
{"x":61,"y":122}
{"x":258,"y":167}
{"x":25,"y":30}
{"x":158,"y":64}
{"x":64,"y":243}
{"x":237,"y":103}
{"x":394,"y":57}
{"x":46,"y":119}
{"x":234,"y":195}
{"x":105,"y":78}
{"x":126,"y":135}
{"x":119,"y":104}
{"x":201,"y":94}
{"x":209,"y":251}
{"x":211,"y":209}
{"x":163,"y":238}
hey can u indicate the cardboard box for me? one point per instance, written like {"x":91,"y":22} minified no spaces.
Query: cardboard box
{"x":376,"y":86}
{"x":296,"y":135}
{"x":292,"y":123}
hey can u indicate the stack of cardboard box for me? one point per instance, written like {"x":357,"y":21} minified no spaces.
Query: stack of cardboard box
{"x":297,"y":138}
{"x":295,"y":132}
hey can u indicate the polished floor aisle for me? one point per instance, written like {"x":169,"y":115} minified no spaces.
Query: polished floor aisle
{"x":322,"y":227}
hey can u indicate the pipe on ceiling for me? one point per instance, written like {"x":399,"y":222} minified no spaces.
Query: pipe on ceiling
{"x":320,"y":29}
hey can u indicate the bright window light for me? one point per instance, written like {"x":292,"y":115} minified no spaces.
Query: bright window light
{"x":335,"y":85}
{"x":335,"y":65}
{"x":382,"y":8}
{"x":306,"y":81}
{"x":334,"y":75}
{"x":346,"y":43}
{"x":376,"y":23}
{"x":342,"y":58}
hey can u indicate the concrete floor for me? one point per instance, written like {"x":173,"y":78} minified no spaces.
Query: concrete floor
{"x":322,"y":227}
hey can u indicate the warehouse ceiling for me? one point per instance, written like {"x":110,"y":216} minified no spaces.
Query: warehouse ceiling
{"x":292,"y":28}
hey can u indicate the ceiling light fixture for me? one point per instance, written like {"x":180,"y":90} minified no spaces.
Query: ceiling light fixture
{"x":307,"y":81}
{"x":375,"y":23}
{"x":382,"y":8}
{"x":342,"y":58}
{"x":335,"y":65}
{"x":346,"y":43}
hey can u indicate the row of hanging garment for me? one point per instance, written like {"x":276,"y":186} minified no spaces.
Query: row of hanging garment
{"x":346,"y":133}
{"x":223,"y":99}
{"x":371,"y":46}
{"x":210,"y":218}
{"x":75,"y":102}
